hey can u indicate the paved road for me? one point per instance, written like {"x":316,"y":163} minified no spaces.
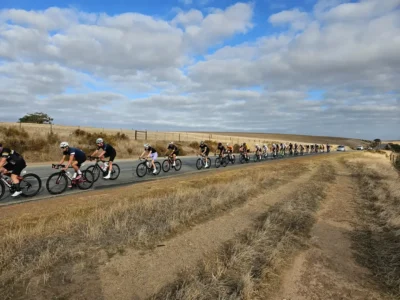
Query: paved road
{"x":127,"y":176}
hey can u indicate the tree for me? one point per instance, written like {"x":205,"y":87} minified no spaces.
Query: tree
{"x":37,"y":117}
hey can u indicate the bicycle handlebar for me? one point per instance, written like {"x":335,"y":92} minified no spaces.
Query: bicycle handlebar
{"x":57,"y":166}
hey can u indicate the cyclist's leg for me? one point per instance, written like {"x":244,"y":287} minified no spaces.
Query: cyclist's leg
{"x":15,"y":173}
{"x":153,"y":159}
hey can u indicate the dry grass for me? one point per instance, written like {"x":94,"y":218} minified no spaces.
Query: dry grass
{"x":378,"y":240}
{"x":36,"y":252}
{"x":246,"y":267}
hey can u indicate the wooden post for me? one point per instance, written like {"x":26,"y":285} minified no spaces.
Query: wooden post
{"x":179,"y":137}
{"x":145,"y":135}
{"x":20,"y":125}
{"x":135,"y":135}
{"x":51,"y":128}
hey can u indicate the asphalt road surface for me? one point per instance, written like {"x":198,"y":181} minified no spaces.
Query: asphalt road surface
{"x":127,"y":175}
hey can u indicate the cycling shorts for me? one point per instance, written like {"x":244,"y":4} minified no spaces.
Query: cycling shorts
{"x":81,"y":160}
{"x":154,"y":155}
{"x":111,"y":155}
{"x":16,"y":168}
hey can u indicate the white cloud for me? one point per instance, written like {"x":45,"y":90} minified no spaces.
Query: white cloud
{"x":146,"y":70}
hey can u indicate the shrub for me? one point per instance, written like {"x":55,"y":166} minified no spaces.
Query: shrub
{"x":53,"y":138}
{"x":14,"y":132}
{"x":130,"y":151}
{"x":236,"y":148}
{"x":194,"y":145}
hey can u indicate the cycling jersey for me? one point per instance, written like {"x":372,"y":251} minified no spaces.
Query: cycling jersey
{"x":151,"y":150}
{"x":78,"y":154}
{"x":221,"y":149}
{"x":174,"y":148}
{"x":229,"y":148}
{"x":110,"y":151}
{"x":204,"y":148}
{"x":11,"y":156}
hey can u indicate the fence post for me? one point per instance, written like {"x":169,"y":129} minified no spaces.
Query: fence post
{"x":20,"y":125}
{"x":51,"y":128}
{"x":135,"y":135}
{"x":179,"y":137}
{"x":145,"y":135}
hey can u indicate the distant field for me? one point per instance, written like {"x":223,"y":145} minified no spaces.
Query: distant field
{"x":351,"y":142}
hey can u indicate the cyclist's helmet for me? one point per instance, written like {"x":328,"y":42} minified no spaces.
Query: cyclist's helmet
{"x":146,"y":146}
{"x":202,"y":143}
{"x":244,"y":144}
{"x":64,"y":145}
{"x":257,"y":146}
{"x":99,"y":141}
{"x":219,"y":144}
{"x":227,"y":144}
{"x":171,"y":143}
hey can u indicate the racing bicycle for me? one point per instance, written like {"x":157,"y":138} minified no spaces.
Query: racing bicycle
{"x":243,"y":159}
{"x":96,"y":169}
{"x":221,"y":161}
{"x":30,"y":184}
{"x":57,"y":182}
{"x":201,"y":164}
{"x":169,"y":163}
{"x":145,"y":167}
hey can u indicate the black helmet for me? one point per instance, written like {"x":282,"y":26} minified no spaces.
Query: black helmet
{"x":219,"y":144}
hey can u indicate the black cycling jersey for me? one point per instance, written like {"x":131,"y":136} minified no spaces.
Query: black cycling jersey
{"x":108,"y":148}
{"x":222,"y":149}
{"x":79,"y":154}
{"x":204,"y":147}
{"x":10,"y":155}
{"x":173,"y":147}
{"x":151,"y":150}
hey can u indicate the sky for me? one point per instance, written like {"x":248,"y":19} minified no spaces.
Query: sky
{"x":319,"y":67}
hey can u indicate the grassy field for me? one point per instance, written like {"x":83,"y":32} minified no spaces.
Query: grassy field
{"x":39,"y":142}
{"x":308,"y":228}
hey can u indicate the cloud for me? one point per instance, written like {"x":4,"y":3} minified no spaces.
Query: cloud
{"x":181,"y":73}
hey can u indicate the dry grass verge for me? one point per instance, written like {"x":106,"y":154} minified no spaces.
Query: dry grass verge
{"x":378,"y":240}
{"x":36,"y":254}
{"x":246,"y":267}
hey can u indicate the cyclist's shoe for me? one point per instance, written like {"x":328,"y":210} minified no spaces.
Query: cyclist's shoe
{"x":79,"y":176}
{"x":206,"y":165}
{"x":174,"y":165}
{"x":16,"y":193}
{"x":108,"y":176}
{"x":155,"y":171}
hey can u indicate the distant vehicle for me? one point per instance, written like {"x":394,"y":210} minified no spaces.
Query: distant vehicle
{"x":341,"y":148}
{"x":360,"y":148}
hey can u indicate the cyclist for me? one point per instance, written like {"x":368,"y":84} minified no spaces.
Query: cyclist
{"x":283,"y":149}
{"x":12,"y":162}
{"x":106,"y":151}
{"x":316,"y":148}
{"x":312,"y":148}
{"x":204,"y":151}
{"x":258,"y":151}
{"x":328,"y":148}
{"x":222,"y":150}
{"x":174,"y":152}
{"x":152,"y":153}
{"x":274,"y":150}
{"x":277,"y":149}
{"x":265,"y":150}
{"x":76,"y":158}
{"x":296,"y":148}
{"x":301,"y":149}
{"x":229,"y":150}
{"x":307,"y":148}
{"x":246,"y":151}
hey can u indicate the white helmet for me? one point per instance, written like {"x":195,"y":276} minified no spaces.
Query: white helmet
{"x":227,"y":144}
{"x":146,"y":146}
{"x":257,"y":145}
{"x":64,"y":144}
{"x":171,"y":143}
{"x":99,"y":140}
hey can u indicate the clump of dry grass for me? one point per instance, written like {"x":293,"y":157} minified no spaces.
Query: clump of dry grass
{"x":39,"y":248}
{"x":378,"y":240}
{"x":254,"y":259}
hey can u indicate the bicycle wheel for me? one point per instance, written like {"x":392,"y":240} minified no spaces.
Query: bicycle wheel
{"x":255,"y":158}
{"x":95,"y":170}
{"x":115,"y":172}
{"x":30,"y":185}
{"x":2,"y":189}
{"x":141,"y":169}
{"x":199,"y":164}
{"x":241,"y":159}
{"x":57,"y":183}
{"x":166,"y":165}
{"x":225,"y":161}
{"x":209,"y":163}
{"x":86,"y":181}
{"x":217,"y":162}
{"x":178,"y":164}
{"x":158,"y":167}
{"x":233,"y":159}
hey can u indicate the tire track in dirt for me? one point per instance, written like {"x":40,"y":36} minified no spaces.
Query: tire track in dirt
{"x":138,"y":274}
{"x":328,"y":270}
